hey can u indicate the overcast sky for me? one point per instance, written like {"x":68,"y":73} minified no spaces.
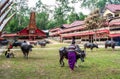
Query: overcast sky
{"x":31,"y":3}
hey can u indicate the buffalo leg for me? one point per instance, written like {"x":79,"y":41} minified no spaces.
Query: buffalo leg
{"x":105,"y":46}
{"x":84,"y":48}
{"x":91,"y":48}
{"x":76,"y":64}
{"x":113,"y":47}
{"x":27,"y":55}
{"x":24,"y":53}
{"x":61,"y":61}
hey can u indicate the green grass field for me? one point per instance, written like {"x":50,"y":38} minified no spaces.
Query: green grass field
{"x":43,"y":63}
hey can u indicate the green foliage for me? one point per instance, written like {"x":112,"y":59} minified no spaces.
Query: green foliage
{"x":82,"y":16}
{"x":20,"y":20}
{"x":92,"y":4}
{"x":13,"y":26}
{"x":59,"y":16}
{"x":72,"y":17}
{"x":75,"y":16}
{"x":42,"y":20}
{"x":39,"y":4}
{"x":62,"y":14}
{"x":51,"y":24}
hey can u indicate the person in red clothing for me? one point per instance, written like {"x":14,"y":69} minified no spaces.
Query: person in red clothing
{"x":10,"y":46}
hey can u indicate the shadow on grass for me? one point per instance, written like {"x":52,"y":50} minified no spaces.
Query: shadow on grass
{"x":83,"y":67}
{"x":20,"y":58}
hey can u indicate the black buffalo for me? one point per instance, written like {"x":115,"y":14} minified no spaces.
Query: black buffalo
{"x":90,"y":45}
{"x":4,"y":42}
{"x":111,"y":44}
{"x":63,"y":52}
{"x":47,"y":42}
{"x":42,"y":43}
{"x":17,"y":43}
{"x":25,"y":49}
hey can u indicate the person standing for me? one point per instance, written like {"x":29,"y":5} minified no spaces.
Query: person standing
{"x":72,"y":55}
{"x":24,"y":43}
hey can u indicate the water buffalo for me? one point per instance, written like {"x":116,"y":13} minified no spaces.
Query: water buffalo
{"x":63,"y":52}
{"x":90,"y":45}
{"x":42,"y":43}
{"x":25,"y":49}
{"x":47,"y":42}
{"x":111,"y":44}
{"x":17,"y":43}
{"x":4,"y":42}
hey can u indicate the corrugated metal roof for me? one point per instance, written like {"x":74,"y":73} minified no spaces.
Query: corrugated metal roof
{"x":84,"y":33}
{"x":113,"y":7}
{"x":76,"y":23}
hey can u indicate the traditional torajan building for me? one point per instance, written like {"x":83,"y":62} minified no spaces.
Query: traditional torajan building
{"x":4,"y":11}
{"x":111,"y":10}
{"x":79,"y":30}
{"x":112,"y":13}
{"x":31,"y":32}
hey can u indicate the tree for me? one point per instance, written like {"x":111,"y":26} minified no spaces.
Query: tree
{"x":59,"y":16}
{"x":75,"y":16}
{"x":61,"y":11}
{"x":72,"y":17}
{"x":51,"y":24}
{"x":81,"y":16}
{"x":20,"y":20}
{"x":39,"y":4}
{"x":42,"y":20}
{"x":21,"y":11}
{"x":92,"y":4}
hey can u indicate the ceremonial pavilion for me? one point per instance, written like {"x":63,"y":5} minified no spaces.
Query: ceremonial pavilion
{"x":31,"y":32}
